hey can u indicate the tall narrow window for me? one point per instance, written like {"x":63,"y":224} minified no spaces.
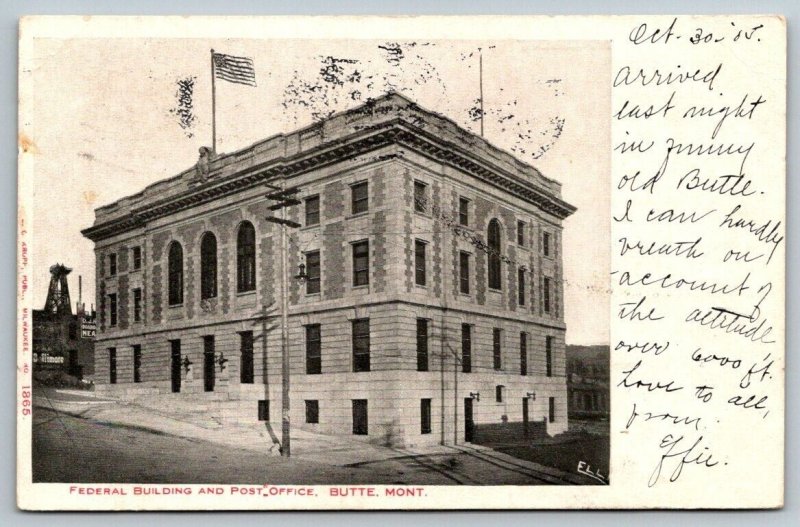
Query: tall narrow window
{"x":420,"y":196}
{"x":419,"y":262}
{"x":209,"y":363}
{"x":137,"y":363}
{"x":548,"y":351}
{"x":551,"y":404}
{"x":246,"y":258}
{"x":361,"y":345}
{"x":521,"y":233}
{"x":360,"y":197}
{"x":523,"y":353}
{"x":425,"y":416}
{"x":312,"y":210}
{"x":360,"y":417}
{"x":137,"y":258}
{"x":463,"y":211}
{"x":208,"y":266}
{"x":112,"y":309}
{"x":498,"y":393}
{"x":422,"y":344}
{"x":546,"y":243}
{"x":466,"y":348}
{"x":112,"y":264}
{"x":463,"y":271}
{"x":175,"y":266}
{"x":313,"y":272}
{"x":361,"y":263}
{"x":493,"y":240}
{"x":497,"y":349}
{"x":137,"y":305}
{"x":521,"y":286}
{"x":112,"y":365}
{"x":246,"y":365}
{"x":312,"y":412}
{"x":546,"y":294}
{"x":313,"y":349}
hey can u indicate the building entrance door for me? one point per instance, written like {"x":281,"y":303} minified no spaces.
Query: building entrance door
{"x":175,"y":365}
{"x":74,"y":368}
{"x":469,"y":425}
{"x":360,"y":419}
{"x":208,"y":363}
{"x":525,"y":417}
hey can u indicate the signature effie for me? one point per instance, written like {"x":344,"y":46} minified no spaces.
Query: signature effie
{"x":693,"y":455}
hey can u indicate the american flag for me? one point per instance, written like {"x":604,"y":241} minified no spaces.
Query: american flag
{"x":238,"y":70}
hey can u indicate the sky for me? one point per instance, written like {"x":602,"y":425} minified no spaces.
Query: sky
{"x":107,"y":121}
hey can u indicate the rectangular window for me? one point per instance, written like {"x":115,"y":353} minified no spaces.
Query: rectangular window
{"x":546,"y":243}
{"x":361,"y":345}
{"x":552,"y":409}
{"x":263,"y":410}
{"x":548,"y":352}
{"x":112,"y":309}
{"x":247,"y":366}
{"x":137,"y":363}
{"x":137,"y":305}
{"x":209,"y":363}
{"x":361,"y":263}
{"x":463,"y":211}
{"x":313,"y":349}
{"x":112,"y":264}
{"x":312,"y":412}
{"x":497,"y":351}
{"x":420,"y":196}
{"x":463,"y":271}
{"x":523,"y":353}
{"x":360,"y":417}
{"x":419,"y":262}
{"x":498,"y":393}
{"x":546,"y":295}
{"x":137,"y":258}
{"x":425,"y":416}
{"x":422,"y":344}
{"x":521,"y":233}
{"x":521,"y":286}
{"x":313,"y":272}
{"x":312,"y":210}
{"x":360,"y":197}
{"x":112,"y":365}
{"x":466,"y":348}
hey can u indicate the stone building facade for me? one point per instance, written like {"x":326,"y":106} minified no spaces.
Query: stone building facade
{"x":396,"y":336}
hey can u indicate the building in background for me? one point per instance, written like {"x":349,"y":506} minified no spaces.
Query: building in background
{"x":63,"y":342}
{"x":432,"y":303}
{"x":588,"y":382}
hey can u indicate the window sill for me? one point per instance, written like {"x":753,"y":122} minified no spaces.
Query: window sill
{"x":246,"y":293}
{"x":175,"y":306}
{"x":314,"y":295}
{"x":465,"y":295}
{"x":363,"y":286}
{"x":494,"y":290}
{"x":310,"y":227}
{"x":357,"y":215}
{"x":135,"y":270}
{"x":421,"y":286}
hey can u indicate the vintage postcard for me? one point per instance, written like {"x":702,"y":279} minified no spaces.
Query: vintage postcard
{"x":401,"y":262}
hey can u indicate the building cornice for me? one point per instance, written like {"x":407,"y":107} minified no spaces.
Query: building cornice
{"x":396,"y":131}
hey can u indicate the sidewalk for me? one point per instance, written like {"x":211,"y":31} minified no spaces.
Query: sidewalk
{"x":434,"y":464}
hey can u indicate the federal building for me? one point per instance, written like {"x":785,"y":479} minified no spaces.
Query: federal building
{"x":424,"y":283}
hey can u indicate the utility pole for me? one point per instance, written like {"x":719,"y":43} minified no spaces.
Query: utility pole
{"x":285,"y":199}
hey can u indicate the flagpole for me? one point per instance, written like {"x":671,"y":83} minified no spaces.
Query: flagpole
{"x":213,"y":108}
{"x":480,"y":80}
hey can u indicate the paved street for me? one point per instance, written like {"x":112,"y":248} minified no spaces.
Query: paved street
{"x":78,"y":438}
{"x":71,"y":449}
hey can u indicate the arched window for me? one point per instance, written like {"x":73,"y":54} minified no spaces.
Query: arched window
{"x":175,"y":274}
{"x":493,"y":240}
{"x":208,"y":266}
{"x":246,"y":258}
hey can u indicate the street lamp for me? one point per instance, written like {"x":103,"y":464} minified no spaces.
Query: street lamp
{"x":531,"y":395}
{"x":475,"y":395}
{"x":301,"y":276}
